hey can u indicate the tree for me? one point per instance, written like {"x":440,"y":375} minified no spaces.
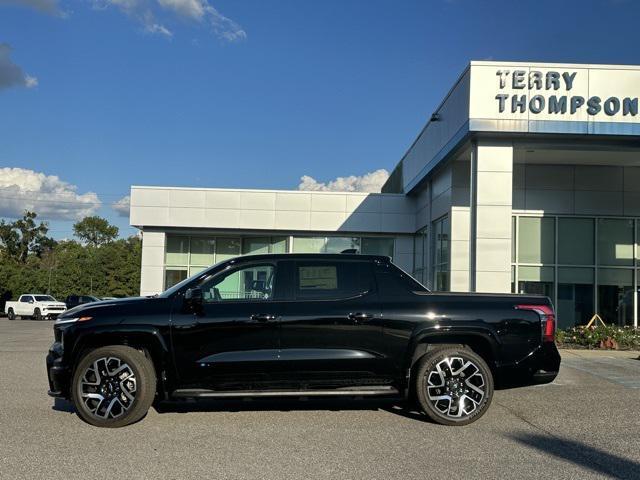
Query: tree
{"x":66,"y":267}
{"x":95,"y":231}
{"x":22,"y":237}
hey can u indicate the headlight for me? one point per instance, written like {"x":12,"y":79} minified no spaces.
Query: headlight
{"x":60,"y":321}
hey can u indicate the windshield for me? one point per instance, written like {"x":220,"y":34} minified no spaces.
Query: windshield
{"x":170,"y":291}
{"x":44,"y":298}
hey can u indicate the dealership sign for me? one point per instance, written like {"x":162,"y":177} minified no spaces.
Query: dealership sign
{"x":551,"y":92}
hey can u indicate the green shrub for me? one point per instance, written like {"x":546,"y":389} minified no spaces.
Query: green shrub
{"x":625,"y":338}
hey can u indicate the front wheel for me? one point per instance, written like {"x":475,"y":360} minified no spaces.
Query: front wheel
{"x":454,"y":386}
{"x":11,"y":314}
{"x":113,"y":386}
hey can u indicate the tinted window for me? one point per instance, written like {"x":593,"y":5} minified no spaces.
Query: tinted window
{"x":252,"y":282}
{"x":393,"y":282}
{"x":25,"y":299}
{"x":331,"y":279}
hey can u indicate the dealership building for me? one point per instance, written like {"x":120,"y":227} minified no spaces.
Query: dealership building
{"x":526,"y":178}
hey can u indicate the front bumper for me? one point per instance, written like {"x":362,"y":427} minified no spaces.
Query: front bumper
{"x":57,"y":373}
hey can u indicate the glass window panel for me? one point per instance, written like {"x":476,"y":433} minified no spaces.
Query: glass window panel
{"x":441,"y":254}
{"x":279,"y":245}
{"x":227,"y":248}
{"x":513,"y":239}
{"x":308,"y":244}
{"x":536,"y":274}
{"x":536,"y":280}
{"x":615,"y":295}
{"x":173,"y":276}
{"x":253,"y":283}
{"x":536,"y":240}
{"x":255,"y":245}
{"x":202,"y":250}
{"x":575,"y":241}
{"x":575,"y":305}
{"x":638,"y":241}
{"x":615,"y":242}
{"x":332,"y":280}
{"x":340,"y":244}
{"x":193,"y":270}
{"x":377,"y":246}
{"x":177,"y":250}
{"x":418,"y":251}
{"x":325,"y":244}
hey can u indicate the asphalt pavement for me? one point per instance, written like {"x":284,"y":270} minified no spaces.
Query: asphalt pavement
{"x":584,"y":425}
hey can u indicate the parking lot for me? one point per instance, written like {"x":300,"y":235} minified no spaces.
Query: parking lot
{"x":584,"y":425}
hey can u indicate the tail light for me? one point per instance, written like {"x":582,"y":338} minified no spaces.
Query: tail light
{"x":547,"y":318}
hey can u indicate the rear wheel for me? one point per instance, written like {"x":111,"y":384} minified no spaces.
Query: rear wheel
{"x":454,"y":386}
{"x":113,"y":386}
{"x":37,"y":314}
{"x":11,"y":314}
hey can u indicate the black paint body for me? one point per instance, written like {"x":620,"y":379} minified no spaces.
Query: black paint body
{"x":371,"y":338}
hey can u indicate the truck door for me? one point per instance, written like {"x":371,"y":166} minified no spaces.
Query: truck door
{"x":231,"y":343}
{"x":331,"y":333}
{"x":25,"y":305}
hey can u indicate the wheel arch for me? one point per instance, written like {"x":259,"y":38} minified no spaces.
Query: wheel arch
{"x":149,"y":341}
{"x":480,"y":341}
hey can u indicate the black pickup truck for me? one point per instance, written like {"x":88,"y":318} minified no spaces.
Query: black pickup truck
{"x":301,"y":325}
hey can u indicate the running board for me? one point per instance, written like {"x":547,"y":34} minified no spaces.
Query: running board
{"x":357,"y":392}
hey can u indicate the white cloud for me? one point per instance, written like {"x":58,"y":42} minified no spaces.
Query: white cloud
{"x":369,"y":182}
{"x":122,"y":206}
{"x":150,"y":13}
{"x":47,"y":195}
{"x":157,"y":28}
{"x":11,"y":75}
{"x":51,"y":7}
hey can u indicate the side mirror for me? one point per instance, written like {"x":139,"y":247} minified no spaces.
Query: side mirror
{"x":193,"y":296}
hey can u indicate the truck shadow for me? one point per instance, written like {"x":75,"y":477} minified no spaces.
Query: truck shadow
{"x":598,"y":461}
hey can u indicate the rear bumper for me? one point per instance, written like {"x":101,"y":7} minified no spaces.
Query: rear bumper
{"x":57,"y":373}
{"x":541,"y":366}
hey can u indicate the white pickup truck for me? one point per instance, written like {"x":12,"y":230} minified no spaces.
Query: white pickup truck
{"x":34,"y":306}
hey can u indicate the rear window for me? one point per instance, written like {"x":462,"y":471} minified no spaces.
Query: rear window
{"x":332,"y":279}
{"x":393,"y":282}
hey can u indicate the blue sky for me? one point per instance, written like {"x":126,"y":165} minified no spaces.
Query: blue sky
{"x":252,"y":94}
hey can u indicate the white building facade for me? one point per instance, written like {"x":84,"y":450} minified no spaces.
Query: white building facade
{"x":525,"y":179}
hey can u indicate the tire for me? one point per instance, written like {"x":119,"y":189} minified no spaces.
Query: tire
{"x":37,"y":314}
{"x":113,"y":400}
{"x":11,"y":314}
{"x":454,"y":386}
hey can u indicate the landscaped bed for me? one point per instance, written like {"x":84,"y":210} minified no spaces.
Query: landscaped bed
{"x":609,"y":337}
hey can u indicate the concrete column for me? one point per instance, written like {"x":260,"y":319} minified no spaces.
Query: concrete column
{"x":459,"y":246}
{"x":490,"y":217}
{"x":152,"y":270}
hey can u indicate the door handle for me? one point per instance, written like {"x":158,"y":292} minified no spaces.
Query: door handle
{"x":359,"y":317}
{"x":262,"y":317}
